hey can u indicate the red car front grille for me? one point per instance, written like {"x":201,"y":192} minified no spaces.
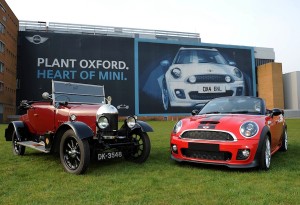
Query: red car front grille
{"x":207,"y":135}
{"x":206,"y":155}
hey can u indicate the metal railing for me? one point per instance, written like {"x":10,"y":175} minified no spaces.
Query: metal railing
{"x":106,"y":30}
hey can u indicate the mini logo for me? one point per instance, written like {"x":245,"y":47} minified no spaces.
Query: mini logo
{"x":123,"y":106}
{"x":36,"y":39}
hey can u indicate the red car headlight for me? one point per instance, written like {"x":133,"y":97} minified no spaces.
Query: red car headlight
{"x":249,"y":129}
{"x":177,"y":127}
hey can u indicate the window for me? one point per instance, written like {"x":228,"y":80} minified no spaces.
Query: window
{"x":2,"y":7}
{"x":1,"y":67}
{"x":2,"y":28}
{"x":1,"y":86}
{"x":2,"y":47}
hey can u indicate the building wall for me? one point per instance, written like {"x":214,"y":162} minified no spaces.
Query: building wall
{"x":9,"y":26}
{"x":291,"y":85}
{"x":270,"y":84}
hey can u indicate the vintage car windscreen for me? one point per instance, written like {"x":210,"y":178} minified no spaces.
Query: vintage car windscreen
{"x":238,"y":105}
{"x":77,"y":92}
{"x":199,"y":56}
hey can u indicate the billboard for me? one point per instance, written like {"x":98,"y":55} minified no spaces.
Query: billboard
{"x":176,"y":78}
{"x":98,"y":60}
{"x":144,"y":77}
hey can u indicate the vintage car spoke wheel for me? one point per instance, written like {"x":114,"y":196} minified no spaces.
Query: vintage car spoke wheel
{"x":142,"y":147}
{"x":284,"y":145}
{"x":74,"y":153}
{"x":165,"y":96}
{"x":265,"y":160}
{"x":17,"y":149}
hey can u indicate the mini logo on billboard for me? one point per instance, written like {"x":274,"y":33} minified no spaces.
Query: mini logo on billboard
{"x":36,"y":39}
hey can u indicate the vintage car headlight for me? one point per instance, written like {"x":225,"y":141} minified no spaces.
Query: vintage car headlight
{"x":177,"y":127}
{"x":237,"y":72}
{"x":131,"y":121}
{"x":249,"y":129}
{"x":176,"y":73}
{"x":103,"y":122}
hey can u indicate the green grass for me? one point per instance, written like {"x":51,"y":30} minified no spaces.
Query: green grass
{"x":38,"y":178}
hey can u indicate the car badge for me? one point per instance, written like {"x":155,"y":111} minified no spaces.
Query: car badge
{"x":210,"y":70}
{"x":205,"y":127}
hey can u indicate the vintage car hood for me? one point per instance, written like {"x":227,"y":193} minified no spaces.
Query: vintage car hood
{"x":84,"y":110}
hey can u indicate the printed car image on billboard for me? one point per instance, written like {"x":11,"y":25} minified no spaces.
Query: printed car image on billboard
{"x":176,"y":78}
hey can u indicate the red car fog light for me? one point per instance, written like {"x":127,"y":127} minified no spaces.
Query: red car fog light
{"x":174,"y":148}
{"x":243,"y":154}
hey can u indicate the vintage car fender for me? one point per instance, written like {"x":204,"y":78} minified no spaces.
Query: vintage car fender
{"x":80,"y":129}
{"x":17,"y":126}
{"x":145,"y":127}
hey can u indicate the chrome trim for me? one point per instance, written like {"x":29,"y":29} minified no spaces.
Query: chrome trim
{"x":209,"y":130}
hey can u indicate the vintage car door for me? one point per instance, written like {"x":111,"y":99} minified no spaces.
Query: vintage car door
{"x":41,"y":117}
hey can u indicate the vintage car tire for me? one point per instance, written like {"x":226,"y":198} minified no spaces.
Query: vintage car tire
{"x":284,"y":145}
{"x":17,"y":149}
{"x":74,"y":153}
{"x":265,"y":158}
{"x":165,"y":96}
{"x":141,"y":154}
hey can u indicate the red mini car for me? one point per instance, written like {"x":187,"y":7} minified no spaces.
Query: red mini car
{"x":238,"y":132}
{"x":79,"y":123}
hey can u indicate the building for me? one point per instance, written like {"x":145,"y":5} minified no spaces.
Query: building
{"x":9,"y":26}
{"x":90,"y":54}
{"x":291,"y":89}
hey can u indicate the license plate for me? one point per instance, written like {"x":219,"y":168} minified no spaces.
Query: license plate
{"x":109,"y":155}
{"x":211,"y":89}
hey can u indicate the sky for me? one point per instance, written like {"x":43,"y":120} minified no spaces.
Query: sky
{"x":258,"y":23}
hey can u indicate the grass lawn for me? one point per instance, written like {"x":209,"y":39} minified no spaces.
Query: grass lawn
{"x":38,"y":178}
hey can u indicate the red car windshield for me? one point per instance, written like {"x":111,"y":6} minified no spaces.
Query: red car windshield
{"x":240,"y":105}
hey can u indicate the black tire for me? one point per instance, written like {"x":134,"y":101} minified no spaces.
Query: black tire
{"x":165,"y":95}
{"x":141,"y":150}
{"x":284,"y":143}
{"x":265,"y":157}
{"x":17,"y":149}
{"x":74,"y":153}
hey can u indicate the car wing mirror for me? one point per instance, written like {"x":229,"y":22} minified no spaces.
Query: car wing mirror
{"x":165,"y":63}
{"x":232,"y":63}
{"x":276,"y":112}
{"x":195,"y":112}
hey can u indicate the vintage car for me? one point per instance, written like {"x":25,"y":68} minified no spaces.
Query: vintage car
{"x":198,"y":75}
{"x":79,"y":123}
{"x":236,"y":131}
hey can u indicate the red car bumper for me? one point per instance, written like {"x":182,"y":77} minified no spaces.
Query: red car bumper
{"x":231,"y":154}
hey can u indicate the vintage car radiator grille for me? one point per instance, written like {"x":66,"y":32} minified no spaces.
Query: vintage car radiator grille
{"x":207,"y":135}
{"x":206,"y":155}
{"x":195,"y":95}
{"x":211,"y":79}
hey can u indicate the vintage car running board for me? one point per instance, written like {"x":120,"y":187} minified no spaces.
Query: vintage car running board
{"x":34,"y":145}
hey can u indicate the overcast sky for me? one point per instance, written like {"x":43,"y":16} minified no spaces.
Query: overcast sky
{"x":260,"y":23}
